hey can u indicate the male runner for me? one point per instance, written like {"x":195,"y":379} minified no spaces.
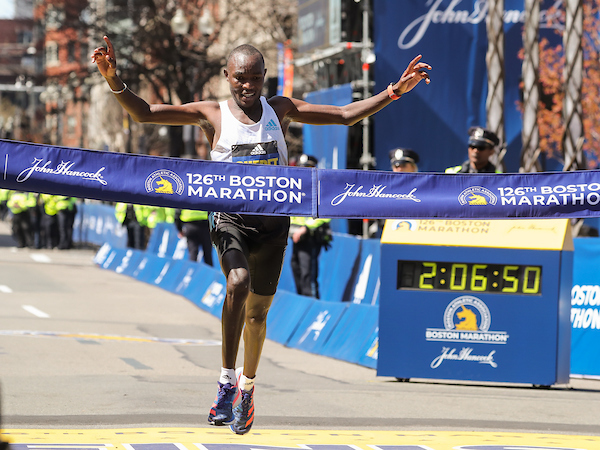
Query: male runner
{"x":250,"y":247}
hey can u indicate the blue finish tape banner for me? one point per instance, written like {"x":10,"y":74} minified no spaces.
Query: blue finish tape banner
{"x":373,"y":194}
{"x":179,"y":183}
{"x":263,"y":189}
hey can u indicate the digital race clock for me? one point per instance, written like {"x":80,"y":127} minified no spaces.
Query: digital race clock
{"x":470,"y":277}
{"x":486,"y":300}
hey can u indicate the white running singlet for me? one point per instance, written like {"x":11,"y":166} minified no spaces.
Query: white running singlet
{"x":259,"y":143}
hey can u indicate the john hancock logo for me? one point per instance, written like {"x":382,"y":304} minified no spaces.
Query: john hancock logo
{"x":477,"y":196}
{"x":164,"y":181}
{"x":466,"y":319}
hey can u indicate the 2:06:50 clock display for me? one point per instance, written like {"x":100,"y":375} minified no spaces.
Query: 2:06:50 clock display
{"x":470,"y":277}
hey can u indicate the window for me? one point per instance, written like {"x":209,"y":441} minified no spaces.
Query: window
{"x":52,"y":54}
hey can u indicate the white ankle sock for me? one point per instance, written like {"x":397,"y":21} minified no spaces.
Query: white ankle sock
{"x":227,"y":376}
{"x":246,"y":384}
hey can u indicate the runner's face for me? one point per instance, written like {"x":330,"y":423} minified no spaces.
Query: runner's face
{"x":246,"y":77}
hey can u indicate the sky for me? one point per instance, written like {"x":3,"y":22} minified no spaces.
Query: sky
{"x":7,"y":9}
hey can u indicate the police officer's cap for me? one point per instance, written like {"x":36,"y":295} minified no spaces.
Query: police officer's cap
{"x":481,"y":137}
{"x":401,"y":155}
{"x":307,"y":161}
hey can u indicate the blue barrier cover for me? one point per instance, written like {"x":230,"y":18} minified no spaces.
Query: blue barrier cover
{"x":154,"y":269}
{"x":286,"y":280}
{"x":186,"y":277}
{"x":165,"y":242}
{"x":129,"y":262}
{"x":173,"y":276}
{"x":97,"y":224}
{"x":103,"y":254}
{"x":207,"y":290}
{"x":370,"y":352}
{"x":287,"y":310}
{"x":333,"y":274}
{"x":316,"y":327}
{"x":351,"y":333}
{"x":115,"y":258}
{"x":366,"y":288}
{"x":585,"y":308}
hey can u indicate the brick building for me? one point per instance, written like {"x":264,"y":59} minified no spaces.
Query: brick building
{"x":65,"y":63}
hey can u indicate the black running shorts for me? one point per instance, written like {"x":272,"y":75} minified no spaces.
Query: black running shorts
{"x":262,"y":239}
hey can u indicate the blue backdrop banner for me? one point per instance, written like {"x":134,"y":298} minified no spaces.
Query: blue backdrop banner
{"x":328,"y":143}
{"x":264,"y":189}
{"x":451,"y":35}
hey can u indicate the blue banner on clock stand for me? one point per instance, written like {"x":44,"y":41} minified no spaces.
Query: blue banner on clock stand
{"x":263,"y":189}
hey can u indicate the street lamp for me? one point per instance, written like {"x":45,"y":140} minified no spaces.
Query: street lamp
{"x":179,"y":23}
{"x":206,"y":23}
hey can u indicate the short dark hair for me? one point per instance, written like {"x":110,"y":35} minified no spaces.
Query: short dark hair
{"x":245,"y":50}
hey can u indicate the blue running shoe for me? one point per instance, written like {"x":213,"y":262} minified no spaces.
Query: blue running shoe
{"x":244,"y":413}
{"x":221,"y":412}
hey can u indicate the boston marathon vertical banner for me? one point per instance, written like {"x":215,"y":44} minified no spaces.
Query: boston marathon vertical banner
{"x":170,"y":182}
{"x":364,"y":194}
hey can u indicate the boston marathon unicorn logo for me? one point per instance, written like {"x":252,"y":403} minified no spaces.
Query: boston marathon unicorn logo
{"x":164,"y":187}
{"x":164,"y":181}
{"x":467,"y":313}
{"x":477,"y":196}
{"x":468,"y":319}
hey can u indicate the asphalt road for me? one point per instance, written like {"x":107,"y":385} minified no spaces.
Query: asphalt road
{"x":82,"y":347}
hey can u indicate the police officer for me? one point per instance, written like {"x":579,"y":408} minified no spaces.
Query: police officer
{"x":19,"y":203}
{"x":308,"y":237}
{"x":404,"y":160}
{"x":4,"y":194}
{"x":132,"y":218}
{"x":194,"y":226}
{"x":482,"y":145}
{"x":66,"y":208}
{"x":401,"y":160}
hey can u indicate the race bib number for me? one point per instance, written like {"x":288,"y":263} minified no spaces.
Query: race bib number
{"x":261,"y":153}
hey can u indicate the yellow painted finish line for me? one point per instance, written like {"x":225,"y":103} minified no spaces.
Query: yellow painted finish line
{"x":223,"y":439}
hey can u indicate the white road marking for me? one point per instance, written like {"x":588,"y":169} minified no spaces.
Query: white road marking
{"x":36,"y":312}
{"x":5,"y":289}
{"x":40,"y":257}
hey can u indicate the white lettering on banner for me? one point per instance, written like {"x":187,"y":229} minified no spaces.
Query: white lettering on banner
{"x":585,"y":318}
{"x":585,"y":295}
{"x":246,"y":194}
{"x":259,"y":188}
{"x":451,"y":354}
{"x":421,"y":24}
{"x":490,"y":337}
{"x":64,"y":169}
{"x":558,"y":195}
{"x":375,"y":192}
